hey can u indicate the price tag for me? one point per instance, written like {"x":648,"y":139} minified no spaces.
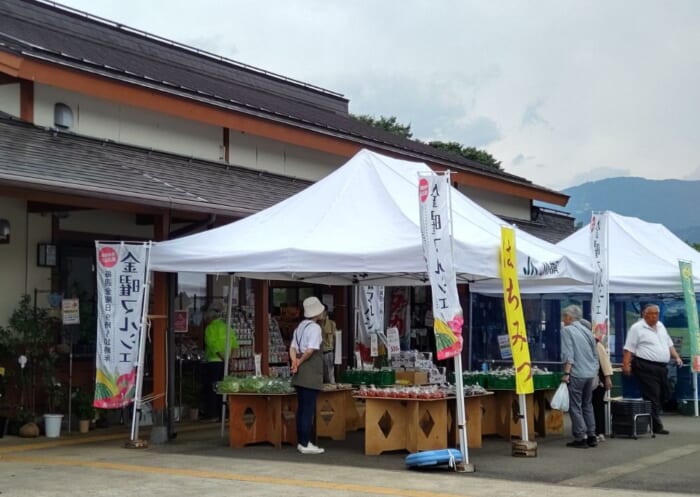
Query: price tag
{"x":392,"y":335}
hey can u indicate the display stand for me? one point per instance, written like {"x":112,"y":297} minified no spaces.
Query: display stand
{"x":257,"y":417}
{"x":501,"y":414}
{"x":474,"y":410}
{"x":409,"y":424}
{"x":331,"y":413}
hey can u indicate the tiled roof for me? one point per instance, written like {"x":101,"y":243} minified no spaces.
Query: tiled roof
{"x":49,"y":160}
{"x":86,"y":43}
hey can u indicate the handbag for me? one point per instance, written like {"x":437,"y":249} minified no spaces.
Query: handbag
{"x":560,"y":400}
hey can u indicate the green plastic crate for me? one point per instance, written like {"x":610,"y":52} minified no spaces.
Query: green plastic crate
{"x":494,"y":382}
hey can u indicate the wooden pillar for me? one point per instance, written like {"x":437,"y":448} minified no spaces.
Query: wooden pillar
{"x":261,"y":290}
{"x":26,"y":100}
{"x":159,"y":325}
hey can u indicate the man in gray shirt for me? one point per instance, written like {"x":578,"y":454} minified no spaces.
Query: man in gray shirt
{"x":580,"y":358}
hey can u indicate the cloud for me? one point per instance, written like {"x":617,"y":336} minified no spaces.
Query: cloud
{"x":532,"y":117}
{"x":521,"y":159}
{"x":693,"y":175}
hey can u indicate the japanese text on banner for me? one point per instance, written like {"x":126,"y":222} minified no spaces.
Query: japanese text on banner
{"x":121,"y":273}
{"x":434,"y":197}
{"x":691,"y":309}
{"x":371,"y":319}
{"x":599,"y":298}
{"x":514,"y":314}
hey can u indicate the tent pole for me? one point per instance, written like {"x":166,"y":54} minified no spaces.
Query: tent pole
{"x":471,"y":322}
{"x":695,"y":389}
{"x":356,"y":313}
{"x":227,"y":353}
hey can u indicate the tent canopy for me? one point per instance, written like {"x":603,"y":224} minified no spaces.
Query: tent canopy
{"x":642,"y":259}
{"x":360,"y":224}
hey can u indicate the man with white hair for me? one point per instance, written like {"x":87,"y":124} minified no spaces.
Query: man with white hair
{"x":580,"y":358}
{"x":648,"y":348}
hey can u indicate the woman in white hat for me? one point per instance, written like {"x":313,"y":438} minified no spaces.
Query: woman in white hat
{"x":307,"y":369}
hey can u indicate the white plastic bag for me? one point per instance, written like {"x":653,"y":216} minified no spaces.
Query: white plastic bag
{"x":560,"y":401}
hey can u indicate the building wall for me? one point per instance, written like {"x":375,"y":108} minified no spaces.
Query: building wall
{"x":18,"y":268}
{"x":120,"y":224}
{"x":9,"y":99}
{"x":280,"y":158}
{"x":107,"y":120}
{"x":499,"y":204}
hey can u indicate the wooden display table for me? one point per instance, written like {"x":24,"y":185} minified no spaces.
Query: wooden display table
{"x":331,"y":412}
{"x":501,"y":414}
{"x":410,"y":424}
{"x":474,"y":412}
{"x":262,"y":417}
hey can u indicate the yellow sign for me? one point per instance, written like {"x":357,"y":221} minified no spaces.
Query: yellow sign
{"x":514,"y":314}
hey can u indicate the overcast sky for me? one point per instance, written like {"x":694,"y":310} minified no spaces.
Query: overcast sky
{"x":561,"y":92}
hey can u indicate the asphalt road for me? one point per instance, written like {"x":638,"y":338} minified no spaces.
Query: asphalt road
{"x":199,"y":462}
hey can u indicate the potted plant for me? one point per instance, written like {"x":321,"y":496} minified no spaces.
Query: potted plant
{"x":83,"y":408}
{"x":31,"y":335}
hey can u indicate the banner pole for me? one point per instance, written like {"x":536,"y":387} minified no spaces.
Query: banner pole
{"x":142,"y":350}
{"x":459,"y":380}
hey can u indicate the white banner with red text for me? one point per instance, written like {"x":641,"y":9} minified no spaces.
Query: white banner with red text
{"x":121,"y":275}
{"x":436,"y":232}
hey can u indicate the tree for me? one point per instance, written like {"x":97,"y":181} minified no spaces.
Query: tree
{"x":392,"y":125}
{"x":471,"y":153}
{"x":389,"y":124}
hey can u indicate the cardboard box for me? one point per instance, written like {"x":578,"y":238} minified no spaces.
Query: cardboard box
{"x":413,"y":377}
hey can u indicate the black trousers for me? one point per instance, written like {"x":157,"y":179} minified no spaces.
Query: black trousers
{"x":653,"y":383}
{"x":213,"y":372}
{"x":598,"y":401}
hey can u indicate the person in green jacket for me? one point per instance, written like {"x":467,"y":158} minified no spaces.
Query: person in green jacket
{"x":215,"y":354}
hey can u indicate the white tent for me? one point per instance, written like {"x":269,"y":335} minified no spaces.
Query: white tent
{"x":642,"y":259}
{"x":360,"y":224}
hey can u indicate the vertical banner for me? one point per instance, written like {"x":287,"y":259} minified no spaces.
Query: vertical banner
{"x":435,"y":224}
{"x":600,"y":297}
{"x":121,"y":275}
{"x":371,"y":316}
{"x":514,"y":314}
{"x":691,"y":309}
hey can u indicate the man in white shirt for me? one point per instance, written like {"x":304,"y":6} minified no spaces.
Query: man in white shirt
{"x":648,"y":348}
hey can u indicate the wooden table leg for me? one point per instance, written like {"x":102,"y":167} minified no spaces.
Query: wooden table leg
{"x":426,"y":426}
{"x":472,"y":407}
{"x":385,"y":425}
{"x":248,"y":420}
{"x":330,"y":414}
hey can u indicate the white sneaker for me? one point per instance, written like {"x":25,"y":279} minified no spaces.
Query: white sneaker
{"x":601,"y":438}
{"x":310,"y":449}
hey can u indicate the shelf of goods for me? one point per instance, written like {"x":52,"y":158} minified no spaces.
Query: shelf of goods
{"x":242,"y":359}
{"x":279,"y":356}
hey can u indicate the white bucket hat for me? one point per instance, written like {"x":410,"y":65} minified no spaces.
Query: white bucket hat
{"x":313,"y":307}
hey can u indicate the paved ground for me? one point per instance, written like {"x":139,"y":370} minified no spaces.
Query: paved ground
{"x":198,"y":462}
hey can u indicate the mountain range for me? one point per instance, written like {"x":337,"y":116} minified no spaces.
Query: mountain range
{"x":669,"y":202}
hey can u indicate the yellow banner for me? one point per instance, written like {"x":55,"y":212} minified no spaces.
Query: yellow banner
{"x":514,"y":314}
